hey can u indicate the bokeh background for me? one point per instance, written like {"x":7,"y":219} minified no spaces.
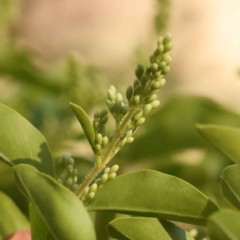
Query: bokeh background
{"x":54,"y":52}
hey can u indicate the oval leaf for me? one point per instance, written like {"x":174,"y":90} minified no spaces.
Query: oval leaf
{"x":151,"y":193}
{"x":224,"y":225}
{"x":62,"y":212}
{"x":146,"y":228}
{"x":225,"y":139}
{"x":85,"y":123}
{"x":12,"y":219}
{"x":22,"y":143}
{"x":230,"y":179}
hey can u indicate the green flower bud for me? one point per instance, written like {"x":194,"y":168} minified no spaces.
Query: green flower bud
{"x":167,"y":38}
{"x":119,"y":97}
{"x":75,"y":179}
{"x":113,"y":89}
{"x":139,"y":71}
{"x":104,"y":141}
{"x":168,"y":47}
{"x":123,"y":142}
{"x":155,"y":103}
{"x":124,"y":110}
{"x":66,"y":155}
{"x":154,"y":67}
{"x":74,"y":172}
{"x":117,"y":107}
{"x":85,"y":191}
{"x":93,"y":187}
{"x":60,"y":162}
{"x":112,"y":176}
{"x":156,"y":85}
{"x":136,"y":83}
{"x":137,"y":90}
{"x":129,"y":133}
{"x":160,"y":40}
{"x":98,"y":147}
{"x":163,"y":81}
{"x":69,"y":168}
{"x":97,"y":114}
{"x":91,"y":195}
{"x":103,"y":113}
{"x":167,"y":58}
{"x":138,"y":115}
{"x":64,"y":175}
{"x":111,"y":95}
{"x":162,"y":65}
{"x":103,"y":120}
{"x":160,"y":48}
{"x":106,"y":170}
{"x":157,"y":74}
{"x":111,"y":136}
{"x":136,"y":99}
{"x":114,"y":168}
{"x":144,"y":79}
{"x":95,"y":123}
{"x":152,"y":59}
{"x":104,"y":178}
{"x":99,"y":138}
{"x":140,"y":121}
{"x":69,"y":183}
{"x":74,"y":187}
{"x":166,"y":70}
{"x":147,"y":108}
{"x":151,"y":98}
{"x":98,"y":181}
{"x":129,"y":93}
{"x":70,"y":161}
{"x":130,"y":139}
{"x":102,"y":130}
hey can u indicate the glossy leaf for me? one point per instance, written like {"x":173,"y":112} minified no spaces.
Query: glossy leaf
{"x":146,"y":228}
{"x":39,"y":229}
{"x":230,"y":179}
{"x":225,"y":139}
{"x":22,"y":143}
{"x":224,"y":225}
{"x":12,"y":219}
{"x":62,"y":212}
{"x":85,"y":123}
{"x":154,"y":194}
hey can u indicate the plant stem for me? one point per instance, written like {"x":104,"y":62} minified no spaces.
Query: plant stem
{"x":108,"y":153}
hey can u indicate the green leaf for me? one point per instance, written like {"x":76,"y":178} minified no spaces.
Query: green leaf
{"x":85,"y":123}
{"x":225,"y":139}
{"x":146,"y":228}
{"x":39,"y":229}
{"x":22,"y":143}
{"x":12,"y":219}
{"x":154,"y":194}
{"x":230,"y":179}
{"x":224,"y":225}
{"x":62,"y":212}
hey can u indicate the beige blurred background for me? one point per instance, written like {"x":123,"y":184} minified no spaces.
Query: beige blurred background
{"x":206,"y":38}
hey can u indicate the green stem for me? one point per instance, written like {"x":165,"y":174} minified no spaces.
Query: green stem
{"x":108,"y":153}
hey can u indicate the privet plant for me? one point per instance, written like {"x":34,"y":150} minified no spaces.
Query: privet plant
{"x":60,"y":205}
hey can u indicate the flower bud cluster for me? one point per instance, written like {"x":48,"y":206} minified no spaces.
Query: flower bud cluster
{"x":99,"y":125}
{"x":115,"y":104}
{"x":68,"y":178}
{"x":90,"y":192}
{"x":143,"y":92}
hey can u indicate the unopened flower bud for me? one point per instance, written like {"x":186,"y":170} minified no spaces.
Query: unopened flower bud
{"x":85,"y":191}
{"x":129,"y":93}
{"x":139,"y":71}
{"x":104,"y":178}
{"x":99,"y":138}
{"x":114,"y":168}
{"x":130,"y":139}
{"x":140,"y":121}
{"x":147,"y":108}
{"x":138,"y":115}
{"x":103,"y":120}
{"x":166,"y":70}
{"x":91,"y":195}
{"x":119,"y":96}
{"x":155,"y":103}
{"x":106,"y":170}
{"x":168,"y":47}
{"x":136,"y":99}
{"x":167,"y":38}
{"x":154,"y":67}
{"x":151,"y":98}
{"x":97,"y":114}
{"x":112,"y":176}
{"x":93,"y":187}
{"x":104,"y":141}
{"x":74,"y":187}
{"x":156,"y":85}
{"x":69,"y":182}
